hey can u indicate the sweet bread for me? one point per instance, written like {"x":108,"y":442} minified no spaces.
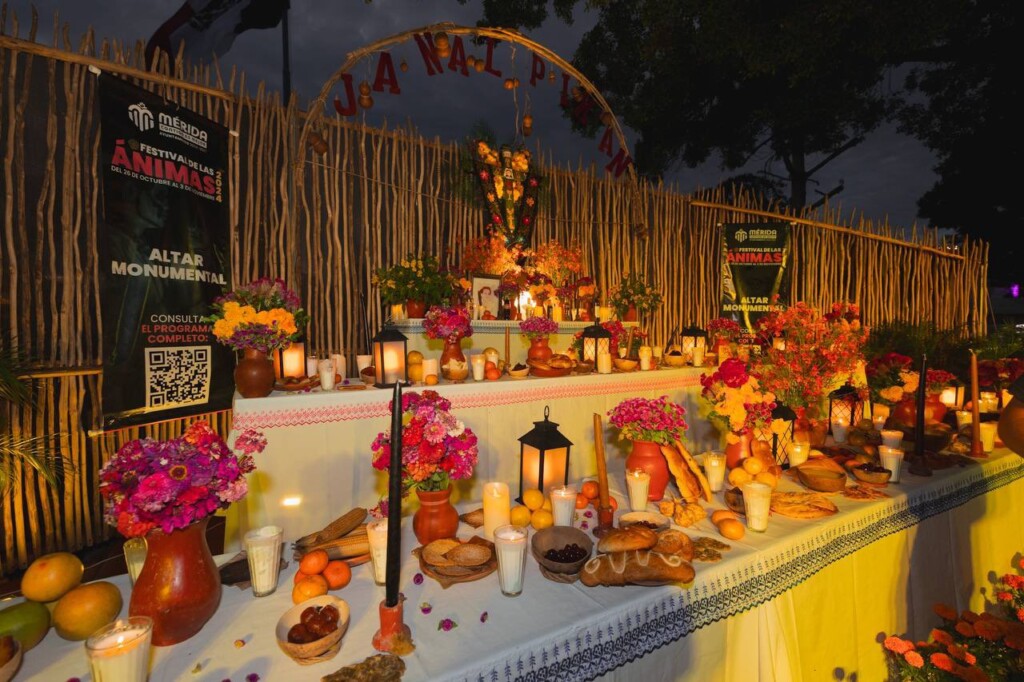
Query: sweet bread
{"x":630,"y":537}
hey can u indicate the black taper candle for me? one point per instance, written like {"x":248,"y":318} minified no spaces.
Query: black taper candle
{"x":366,"y":323}
{"x":919,"y":421}
{"x":394,"y":558}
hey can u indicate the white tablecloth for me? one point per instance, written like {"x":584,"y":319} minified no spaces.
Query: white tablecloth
{"x":318,"y":444}
{"x":799,"y":602}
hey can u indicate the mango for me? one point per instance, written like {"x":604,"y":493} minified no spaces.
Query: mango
{"x":51,"y":576}
{"x":86,"y":609}
{"x":27,"y":622}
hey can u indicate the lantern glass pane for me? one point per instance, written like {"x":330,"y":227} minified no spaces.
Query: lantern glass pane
{"x":589,"y":350}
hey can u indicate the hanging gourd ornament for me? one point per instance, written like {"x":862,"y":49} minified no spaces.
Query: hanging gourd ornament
{"x":515,"y":82}
{"x":509,"y":84}
{"x":317,"y":142}
{"x":365,"y":101}
{"x":606,"y":118}
{"x":577,"y":94}
{"x":551,"y":76}
{"x":527,"y":125}
{"x":364,"y":88}
{"x":441,"y":45}
{"x":480,"y":65}
{"x":403,"y":66}
{"x":470,"y":62}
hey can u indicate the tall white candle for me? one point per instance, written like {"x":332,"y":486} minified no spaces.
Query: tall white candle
{"x":604,"y":363}
{"x":119,"y":652}
{"x":638,"y":482}
{"x":497,"y":507}
{"x":311,"y":365}
{"x":563,"y":504}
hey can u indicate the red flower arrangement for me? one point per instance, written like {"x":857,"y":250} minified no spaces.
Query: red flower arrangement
{"x":999,"y":374}
{"x":890,"y":377}
{"x":537,"y":327}
{"x":735,"y":399}
{"x":447,"y":323}
{"x":723,"y":327}
{"x":819,"y":356}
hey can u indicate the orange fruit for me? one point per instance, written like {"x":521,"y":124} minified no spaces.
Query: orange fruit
{"x":430,"y":380}
{"x":722,"y":514}
{"x":591,"y":489}
{"x":739,"y":476}
{"x":307,"y":588}
{"x":753,"y":466}
{"x":338,"y":574}
{"x":582,"y":501}
{"x":731,"y":528}
{"x":547,"y":505}
{"x":520,"y":516}
{"x":51,"y":576}
{"x":314,"y":562}
{"x":533,"y":499}
{"x":613,"y":503}
{"x":767,"y":478}
{"x":490,"y":364}
{"x":542,"y":519}
{"x":492,"y":373}
{"x":299,"y":575}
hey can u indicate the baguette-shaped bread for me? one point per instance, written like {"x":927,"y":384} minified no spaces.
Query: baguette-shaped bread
{"x":698,"y":473}
{"x":630,"y":537}
{"x":636,"y":567}
{"x":690,"y":480}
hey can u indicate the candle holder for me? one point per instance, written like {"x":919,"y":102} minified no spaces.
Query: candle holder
{"x":394,"y":636}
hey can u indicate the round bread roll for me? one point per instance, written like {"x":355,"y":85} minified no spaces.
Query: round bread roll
{"x":559,"y":361}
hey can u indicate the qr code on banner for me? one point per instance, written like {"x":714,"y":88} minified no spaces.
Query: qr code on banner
{"x":177,"y":377}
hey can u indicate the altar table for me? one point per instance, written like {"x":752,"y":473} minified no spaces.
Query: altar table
{"x":807,"y":600}
{"x":317,"y":464}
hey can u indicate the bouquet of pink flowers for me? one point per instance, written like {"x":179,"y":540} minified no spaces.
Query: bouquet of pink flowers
{"x":171,"y":484}
{"x":536,"y":327}
{"x":447,"y":323}
{"x":650,"y":419}
{"x":436,"y":447}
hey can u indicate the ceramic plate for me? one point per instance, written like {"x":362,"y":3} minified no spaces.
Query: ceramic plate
{"x":658,"y":521}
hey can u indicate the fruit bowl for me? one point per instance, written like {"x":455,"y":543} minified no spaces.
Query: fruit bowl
{"x":822,"y":480}
{"x":625,"y":364}
{"x":317,"y":648}
{"x":518,"y":373}
{"x":557,"y":537}
{"x":674,"y":360}
{"x":871,"y":474}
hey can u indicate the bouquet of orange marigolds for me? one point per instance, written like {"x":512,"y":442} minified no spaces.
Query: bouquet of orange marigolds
{"x":264,"y":315}
{"x":735,"y":400}
{"x":967,"y":646}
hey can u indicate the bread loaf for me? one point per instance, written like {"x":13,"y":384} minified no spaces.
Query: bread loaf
{"x":636,"y":567}
{"x":630,"y":537}
{"x":674,"y":542}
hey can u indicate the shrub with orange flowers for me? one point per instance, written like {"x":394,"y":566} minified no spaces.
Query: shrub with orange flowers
{"x":820,"y":354}
{"x":967,"y":646}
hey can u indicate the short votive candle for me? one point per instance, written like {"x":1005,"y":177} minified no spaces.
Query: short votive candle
{"x":878,"y":421}
{"x":638,"y":482}
{"x":563,"y":504}
{"x":119,"y":652}
{"x":964,"y":418}
{"x":891,"y":459}
{"x":698,"y":356}
{"x":840,"y":429}
{"x":892,"y":437}
{"x":988,"y":401}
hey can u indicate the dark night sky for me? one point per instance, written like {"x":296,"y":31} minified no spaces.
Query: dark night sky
{"x":883,"y":177}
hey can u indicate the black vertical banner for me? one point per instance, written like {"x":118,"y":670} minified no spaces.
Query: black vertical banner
{"x":755,"y":268}
{"x":164,"y":257}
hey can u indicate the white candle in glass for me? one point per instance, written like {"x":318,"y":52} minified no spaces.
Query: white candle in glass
{"x":964,"y":418}
{"x":311,"y":365}
{"x":646,"y":354}
{"x":840,"y":429}
{"x":892,"y":438}
{"x":510,"y":547}
{"x":798,"y":452}
{"x":497,"y":507}
{"x":326,"y":369}
{"x":891,"y":459}
{"x":988,"y":436}
{"x":878,"y":421}
{"x":479,"y":363}
{"x":714,"y":469}
{"x":430,"y":367}
{"x":119,"y":652}
{"x":988,"y":401}
{"x":638,"y":482}
{"x":604,"y":363}
{"x":563,"y":504}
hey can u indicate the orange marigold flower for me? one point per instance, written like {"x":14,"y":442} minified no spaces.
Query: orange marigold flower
{"x":941,"y":636}
{"x":1015,"y":642}
{"x":944,"y":611}
{"x":897,"y":645}
{"x":942,"y":661}
{"x":989,"y":629}
{"x":914,"y":659}
{"x":965,"y":629}
{"x":974,"y":675}
{"x":970,"y":617}
{"x":961,"y":653}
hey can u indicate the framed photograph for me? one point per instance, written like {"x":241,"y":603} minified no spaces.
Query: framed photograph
{"x":485,"y":296}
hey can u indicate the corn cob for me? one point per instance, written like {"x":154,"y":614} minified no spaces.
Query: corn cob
{"x":341,"y":526}
{"x":354,"y":544}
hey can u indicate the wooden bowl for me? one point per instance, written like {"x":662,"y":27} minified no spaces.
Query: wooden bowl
{"x":583,"y":367}
{"x":625,"y":364}
{"x":10,"y":668}
{"x":320,"y":646}
{"x":519,"y":373}
{"x":368,"y":375}
{"x":674,"y":360}
{"x":822,"y":480}
{"x":871,"y":477}
{"x":557,"y":537}
{"x":734,"y":500}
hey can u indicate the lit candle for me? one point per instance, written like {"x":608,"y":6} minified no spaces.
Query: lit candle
{"x":697,"y":356}
{"x":563,"y":504}
{"x":429,"y":367}
{"x":840,"y":429}
{"x":878,"y":420}
{"x":948,"y":397}
{"x":976,"y":448}
{"x":391,"y":365}
{"x":293,"y":360}
{"x":604,"y":363}
{"x":120,"y":651}
{"x":392,"y":574}
{"x":497,"y":507}
{"x":988,"y":401}
{"x":645,"y":353}
{"x":638,"y":482}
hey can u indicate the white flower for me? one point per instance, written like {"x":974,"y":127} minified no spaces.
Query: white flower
{"x":457,"y":430}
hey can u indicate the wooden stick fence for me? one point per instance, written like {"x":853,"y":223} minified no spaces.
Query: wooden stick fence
{"x":376,"y":195}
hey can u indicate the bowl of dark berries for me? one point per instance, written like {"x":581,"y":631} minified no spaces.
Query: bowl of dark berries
{"x":872,"y":474}
{"x":313,"y":629}
{"x":562,"y":549}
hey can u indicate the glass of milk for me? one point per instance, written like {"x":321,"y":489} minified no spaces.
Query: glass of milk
{"x":377,"y":536}
{"x":263,"y":549}
{"x":510,"y":546}
{"x":757,"y":501}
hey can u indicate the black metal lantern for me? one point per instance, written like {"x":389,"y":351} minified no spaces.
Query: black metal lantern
{"x":389,"y":353}
{"x":779,"y":433}
{"x":844,"y":403}
{"x":596,"y":340}
{"x":692,"y":337}
{"x":543,"y":457}
{"x":953,"y":396}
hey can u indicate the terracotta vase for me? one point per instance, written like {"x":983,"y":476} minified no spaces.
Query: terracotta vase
{"x":454,"y":366}
{"x":813,"y":431}
{"x":415,"y":309}
{"x":539,"y":349}
{"x":179,"y":586}
{"x":647,"y":455}
{"x":934,"y":409}
{"x":630,"y":315}
{"x":436,"y":518}
{"x":904,"y":413}
{"x":736,"y":451}
{"x":254,"y":374}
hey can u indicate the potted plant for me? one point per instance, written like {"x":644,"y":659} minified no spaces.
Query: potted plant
{"x":437,"y":449}
{"x":738,"y":406}
{"x":450,"y":324}
{"x":166,"y":491}
{"x":633,"y":297}
{"x":418,"y":282}
{"x":538,"y":330}
{"x":649,"y":423}
{"x":257,"y":319}
{"x":723,"y":332}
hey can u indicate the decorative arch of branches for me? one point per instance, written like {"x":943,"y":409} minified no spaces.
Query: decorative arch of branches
{"x":317,"y":106}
